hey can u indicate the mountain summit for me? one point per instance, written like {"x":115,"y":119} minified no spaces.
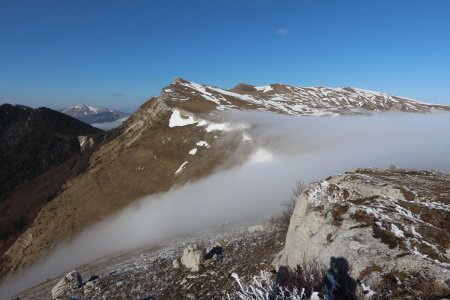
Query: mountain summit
{"x":293,"y":100}
{"x":92,"y":115}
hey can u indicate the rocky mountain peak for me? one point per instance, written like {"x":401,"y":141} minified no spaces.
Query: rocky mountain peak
{"x":285,"y":99}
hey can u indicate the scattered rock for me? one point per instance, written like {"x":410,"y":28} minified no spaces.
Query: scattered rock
{"x":213,"y":251}
{"x":193,"y":257}
{"x":69,"y":283}
{"x":89,"y":288}
{"x":260,"y":227}
{"x":176,"y":263}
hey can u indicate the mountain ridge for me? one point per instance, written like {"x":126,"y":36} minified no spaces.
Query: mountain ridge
{"x":34,"y":144}
{"x":300,"y":101}
{"x":92,"y":115}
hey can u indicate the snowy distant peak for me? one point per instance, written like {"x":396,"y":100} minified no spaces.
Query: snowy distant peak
{"x":91,"y":114}
{"x":281,"y":98}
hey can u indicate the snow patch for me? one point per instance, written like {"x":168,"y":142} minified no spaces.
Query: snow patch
{"x":395,"y":230}
{"x":177,"y":120}
{"x":181,"y":168}
{"x":264,"y":89}
{"x":203,"y":144}
{"x":193,"y":151}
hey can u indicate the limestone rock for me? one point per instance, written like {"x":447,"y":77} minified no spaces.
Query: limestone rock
{"x":258,"y":228}
{"x":69,"y":283}
{"x":193,"y":257}
{"x":383,"y":222}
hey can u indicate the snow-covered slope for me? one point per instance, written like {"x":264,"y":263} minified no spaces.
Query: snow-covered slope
{"x":303,"y":101}
{"x":92,"y":115}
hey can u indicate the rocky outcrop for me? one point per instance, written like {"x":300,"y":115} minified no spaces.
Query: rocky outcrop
{"x":390,"y":226}
{"x":69,"y":283}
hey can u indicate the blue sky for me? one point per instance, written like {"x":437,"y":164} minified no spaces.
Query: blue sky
{"x":119,"y":53}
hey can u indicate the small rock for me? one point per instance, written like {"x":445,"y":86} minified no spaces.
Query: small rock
{"x":70,"y":282}
{"x":260,"y":227}
{"x":176,"y":263}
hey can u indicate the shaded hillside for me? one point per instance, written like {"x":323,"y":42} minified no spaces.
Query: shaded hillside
{"x":39,"y":150}
{"x":33,"y":141}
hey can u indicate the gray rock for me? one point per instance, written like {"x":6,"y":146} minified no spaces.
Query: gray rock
{"x":176,"y":263}
{"x":193,"y":257}
{"x":259,"y":228}
{"x":69,"y":283}
{"x":370,"y":218}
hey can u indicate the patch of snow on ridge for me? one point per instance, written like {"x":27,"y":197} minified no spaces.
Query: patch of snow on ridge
{"x":177,"y":120}
{"x":218,"y":126}
{"x":181,"y":168}
{"x":395,"y":230}
{"x":264,"y":89}
{"x":193,"y":151}
{"x":203,"y":144}
{"x":202,"y":89}
{"x":226,"y":126}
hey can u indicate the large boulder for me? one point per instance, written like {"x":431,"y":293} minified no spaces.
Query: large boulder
{"x":390,"y":227}
{"x":66,"y":285}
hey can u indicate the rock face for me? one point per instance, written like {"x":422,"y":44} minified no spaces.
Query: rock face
{"x":70,"y":282}
{"x":193,"y":257}
{"x":392,"y":226}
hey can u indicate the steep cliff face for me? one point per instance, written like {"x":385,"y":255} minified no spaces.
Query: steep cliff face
{"x":392,"y":226}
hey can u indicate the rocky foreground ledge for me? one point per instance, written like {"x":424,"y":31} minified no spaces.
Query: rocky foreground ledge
{"x":382,"y":234}
{"x":390,"y":229}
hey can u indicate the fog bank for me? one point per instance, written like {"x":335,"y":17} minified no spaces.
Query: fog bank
{"x":286,"y":149}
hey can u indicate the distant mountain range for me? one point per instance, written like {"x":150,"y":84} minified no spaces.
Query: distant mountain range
{"x":93,"y":115}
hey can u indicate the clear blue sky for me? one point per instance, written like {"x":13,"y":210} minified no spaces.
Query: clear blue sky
{"x":119,"y":53}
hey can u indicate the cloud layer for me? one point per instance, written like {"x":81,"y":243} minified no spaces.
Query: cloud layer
{"x":285,"y":149}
